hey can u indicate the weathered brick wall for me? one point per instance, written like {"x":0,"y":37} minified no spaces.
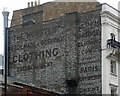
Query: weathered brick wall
{"x":38,"y":54}
{"x":58,"y":9}
{"x":89,"y":53}
{"x":60,"y":54}
{"x":54,"y":10}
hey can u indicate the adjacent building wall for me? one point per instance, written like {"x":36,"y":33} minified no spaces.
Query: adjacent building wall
{"x":110,"y":24}
{"x":119,"y":56}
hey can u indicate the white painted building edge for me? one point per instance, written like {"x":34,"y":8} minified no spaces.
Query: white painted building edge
{"x":110,"y":24}
{"x":1,"y":61}
{"x":106,"y":7}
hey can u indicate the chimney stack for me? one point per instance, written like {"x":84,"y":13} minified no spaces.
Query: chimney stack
{"x":28,"y":4}
{"x":31,"y":4}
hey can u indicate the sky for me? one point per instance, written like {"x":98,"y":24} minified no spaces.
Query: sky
{"x":12,"y":5}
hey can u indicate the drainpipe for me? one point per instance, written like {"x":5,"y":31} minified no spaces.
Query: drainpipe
{"x":5,"y":16}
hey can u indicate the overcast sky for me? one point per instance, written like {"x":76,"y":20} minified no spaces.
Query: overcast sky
{"x":20,"y":4}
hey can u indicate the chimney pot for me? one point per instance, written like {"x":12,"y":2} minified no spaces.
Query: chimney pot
{"x":38,"y":2}
{"x":35,"y":3}
{"x":31,"y":4}
{"x":28,"y":4}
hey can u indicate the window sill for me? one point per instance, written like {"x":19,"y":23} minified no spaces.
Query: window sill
{"x":113,"y":74}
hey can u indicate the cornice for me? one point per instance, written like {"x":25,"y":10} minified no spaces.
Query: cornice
{"x":111,"y":16}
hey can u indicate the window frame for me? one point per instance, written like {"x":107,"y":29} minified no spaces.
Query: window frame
{"x":113,"y":65}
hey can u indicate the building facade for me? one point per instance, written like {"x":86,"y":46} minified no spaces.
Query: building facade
{"x":1,"y":64}
{"x":66,"y":47}
{"x":110,"y":53}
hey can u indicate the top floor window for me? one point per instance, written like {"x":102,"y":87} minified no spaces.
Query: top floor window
{"x":113,"y":67}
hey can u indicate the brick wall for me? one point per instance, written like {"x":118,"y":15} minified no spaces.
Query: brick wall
{"x":54,"y":10}
{"x":89,"y":52}
{"x":62,"y":55}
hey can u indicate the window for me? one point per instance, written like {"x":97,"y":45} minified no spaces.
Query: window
{"x":112,"y":36}
{"x":113,"y":67}
{"x":113,"y":89}
{"x":113,"y":92}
